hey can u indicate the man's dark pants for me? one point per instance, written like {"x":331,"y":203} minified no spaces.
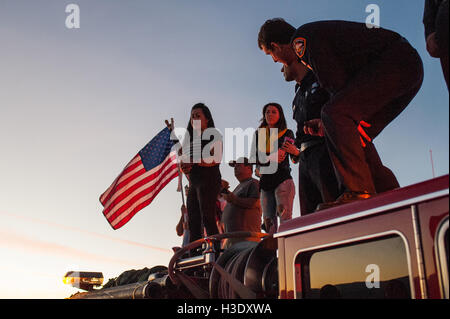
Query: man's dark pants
{"x":377,"y":95}
{"x":317,"y":180}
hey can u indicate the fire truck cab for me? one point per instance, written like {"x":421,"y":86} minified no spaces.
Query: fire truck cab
{"x":394,"y":245}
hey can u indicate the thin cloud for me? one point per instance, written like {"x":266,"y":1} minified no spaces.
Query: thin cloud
{"x":33,"y":245}
{"x":86,"y":232}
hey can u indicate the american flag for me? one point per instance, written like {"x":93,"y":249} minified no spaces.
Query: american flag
{"x":141,"y":180}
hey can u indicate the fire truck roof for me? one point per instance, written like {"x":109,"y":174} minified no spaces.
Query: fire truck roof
{"x":380,"y":203}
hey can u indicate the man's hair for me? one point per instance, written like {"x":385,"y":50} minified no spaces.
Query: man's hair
{"x":275,"y":30}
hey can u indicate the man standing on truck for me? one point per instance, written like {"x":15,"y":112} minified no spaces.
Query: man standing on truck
{"x":371,"y":74}
{"x":317,"y":180}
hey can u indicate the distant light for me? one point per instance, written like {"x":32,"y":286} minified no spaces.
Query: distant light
{"x":83,"y":279}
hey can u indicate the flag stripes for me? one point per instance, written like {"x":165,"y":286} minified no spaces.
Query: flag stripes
{"x":136,"y":187}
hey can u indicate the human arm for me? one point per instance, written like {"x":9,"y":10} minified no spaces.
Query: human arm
{"x":290,"y":147}
{"x":429,"y":22}
{"x":186,"y":167}
{"x":429,"y":17}
{"x":181,"y":223}
{"x":247,"y":198}
{"x":242,"y":202}
{"x":179,"y":227}
{"x":432,"y":46}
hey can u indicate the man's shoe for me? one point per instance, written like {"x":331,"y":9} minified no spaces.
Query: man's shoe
{"x":346,"y":197}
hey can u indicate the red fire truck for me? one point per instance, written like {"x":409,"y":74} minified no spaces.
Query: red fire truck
{"x":393,"y":245}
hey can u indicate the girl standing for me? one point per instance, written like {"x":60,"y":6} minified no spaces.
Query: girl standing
{"x":202,"y":154}
{"x":277,"y":186}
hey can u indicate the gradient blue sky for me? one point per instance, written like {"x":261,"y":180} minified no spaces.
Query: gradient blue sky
{"x":76,"y":105}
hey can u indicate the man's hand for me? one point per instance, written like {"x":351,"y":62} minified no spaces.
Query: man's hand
{"x":314,"y":127}
{"x":432,"y":46}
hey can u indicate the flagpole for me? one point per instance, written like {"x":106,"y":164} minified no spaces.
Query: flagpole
{"x":183,"y":209}
{"x":180,"y":173}
{"x":180,"y":182}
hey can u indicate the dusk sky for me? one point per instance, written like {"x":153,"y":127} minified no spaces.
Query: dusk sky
{"x":77,"y":104}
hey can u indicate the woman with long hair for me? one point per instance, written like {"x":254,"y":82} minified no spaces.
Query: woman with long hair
{"x":277,"y":186}
{"x":202,"y":154}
